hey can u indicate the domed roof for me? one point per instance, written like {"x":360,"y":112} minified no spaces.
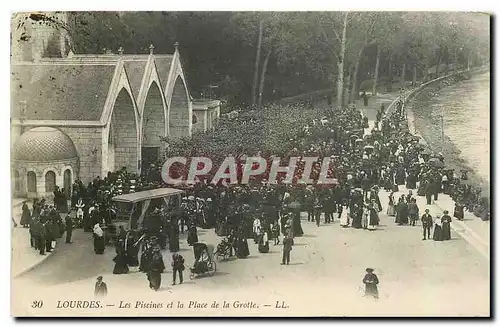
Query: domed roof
{"x":44,"y":144}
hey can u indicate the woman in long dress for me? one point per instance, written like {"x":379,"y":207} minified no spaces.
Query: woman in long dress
{"x":26,"y":216}
{"x":120,"y":261}
{"x":242,"y":250}
{"x":402,"y":212}
{"x":155,"y":270}
{"x":391,"y":211}
{"x":98,"y":239}
{"x":371,"y":281}
{"x":132,"y":250}
{"x":192,"y":234}
{"x":446,"y":221}
{"x":256,"y":229}
{"x":459,"y":211}
{"x":373,"y":219}
{"x":173,"y":239}
{"x":263,"y":243}
{"x":438,"y":230}
{"x":344,"y":216}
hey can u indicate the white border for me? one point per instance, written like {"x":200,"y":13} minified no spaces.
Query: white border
{"x":27,"y":5}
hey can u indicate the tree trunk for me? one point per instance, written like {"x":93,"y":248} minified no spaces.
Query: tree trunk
{"x":340,"y":66}
{"x":347,"y":88}
{"x":468,"y":62}
{"x":403,"y":77}
{"x":375,"y":77}
{"x":437,"y":66}
{"x":256,"y":69}
{"x":355,"y":88}
{"x":263,"y":76}
{"x":389,"y":79}
{"x":414,"y":82}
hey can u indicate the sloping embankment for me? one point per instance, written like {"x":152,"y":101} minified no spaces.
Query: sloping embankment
{"x":430,"y":129}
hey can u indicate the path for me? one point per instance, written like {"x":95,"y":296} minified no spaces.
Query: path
{"x":416,"y":277}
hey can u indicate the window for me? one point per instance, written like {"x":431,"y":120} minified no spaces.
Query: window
{"x":31,"y":182}
{"x":50,"y":181}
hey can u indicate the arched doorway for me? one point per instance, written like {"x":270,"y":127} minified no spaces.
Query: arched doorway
{"x":50,"y":181}
{"x":154,"y":126}
{"x":122,"y":138}
{"x":31,"y":177}
{"x":179,"y":120}
{"x":67,"y":182}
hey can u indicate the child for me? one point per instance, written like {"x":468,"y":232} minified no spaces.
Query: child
{"x":275,"y":228}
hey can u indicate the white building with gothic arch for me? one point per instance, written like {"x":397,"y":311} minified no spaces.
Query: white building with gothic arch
{"x":95,"y":114}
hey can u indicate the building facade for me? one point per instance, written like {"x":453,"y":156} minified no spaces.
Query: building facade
{"x":105,"y":111}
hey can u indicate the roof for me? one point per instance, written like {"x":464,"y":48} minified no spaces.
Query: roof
{"x":135,"y":72}
{"x":60,"y":91}
{"x":42,"y":144}
{"x":163,"y":65}
{"x":145,"y":195}
{"x":201,"y":104}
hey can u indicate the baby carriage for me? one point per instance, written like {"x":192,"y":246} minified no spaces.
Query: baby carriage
{"x":223,"y":250}
{"x":204,"y":263}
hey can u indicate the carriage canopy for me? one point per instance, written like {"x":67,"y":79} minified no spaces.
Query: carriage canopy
{"x":133,"y":206}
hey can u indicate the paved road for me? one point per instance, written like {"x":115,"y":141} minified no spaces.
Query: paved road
{"x":328,"y":263}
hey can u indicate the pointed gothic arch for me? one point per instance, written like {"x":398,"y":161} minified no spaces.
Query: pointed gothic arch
{"x":154,"y":125}
{"x":179,"y":116}
{"x":122,"y":140}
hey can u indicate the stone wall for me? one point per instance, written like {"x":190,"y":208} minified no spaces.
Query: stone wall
{"x":153,"y":122}
{"x":123,"y":134}
{"x":179,"y":111}
{"x":88,"y":145}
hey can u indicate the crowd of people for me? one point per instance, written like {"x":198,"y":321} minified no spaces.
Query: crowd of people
{"x":361,"y":163}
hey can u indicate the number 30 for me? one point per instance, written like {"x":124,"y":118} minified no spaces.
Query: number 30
{"x":37,"y":304}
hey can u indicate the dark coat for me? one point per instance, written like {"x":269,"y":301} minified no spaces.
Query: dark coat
{"x":100,"y":289}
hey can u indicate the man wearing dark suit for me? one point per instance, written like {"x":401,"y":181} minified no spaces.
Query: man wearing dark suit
{"x":101,"y":289}
{"x":287,"y":248}
{"x":427,"y":224}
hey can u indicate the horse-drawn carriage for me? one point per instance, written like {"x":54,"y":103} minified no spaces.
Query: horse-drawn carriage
{"x":131,"y":209}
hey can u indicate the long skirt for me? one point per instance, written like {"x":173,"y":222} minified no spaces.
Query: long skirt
{"x":99,"y":244}
{"x":120,"y":266}
{"x":133,"y":256}
{"x":458,"y":212}
{"x":242,"y":250}
{"x":192,"y":236}
{"x":173,"y":244}
{"x":356,"y":220}
{"x":264,"y":247}
{"x":391,"y":210}
{"x":446,"y":231}
{"x":144,"y":261}
{"x":438,"y":233}
{"x":154,"y":278}
{"x":344,"y":218}
{"x":297,"y":227}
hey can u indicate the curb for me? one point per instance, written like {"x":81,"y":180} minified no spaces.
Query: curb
{"x":30,"y":268}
